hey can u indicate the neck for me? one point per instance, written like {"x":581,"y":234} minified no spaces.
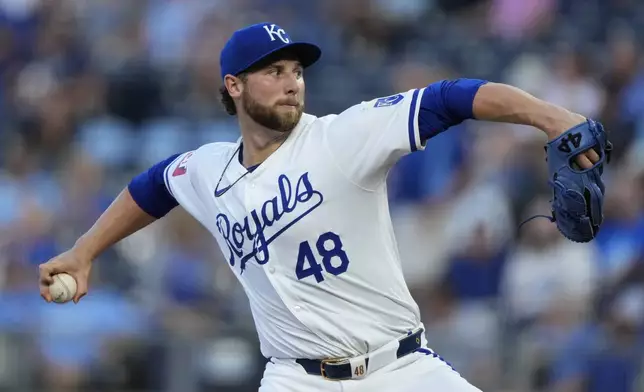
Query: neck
{"x":259,"y":142}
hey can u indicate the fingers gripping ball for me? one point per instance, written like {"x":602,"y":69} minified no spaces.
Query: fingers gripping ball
{"x":578,"y":195}
{"x":63,"y":289}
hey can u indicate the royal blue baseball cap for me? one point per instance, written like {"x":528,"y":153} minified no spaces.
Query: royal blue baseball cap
{"x":253,"y":43}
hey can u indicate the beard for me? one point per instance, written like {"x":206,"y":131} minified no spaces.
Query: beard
{"x":269,"y":117}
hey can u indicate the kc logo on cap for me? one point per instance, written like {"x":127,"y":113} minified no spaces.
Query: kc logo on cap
{"x":274,"y":30}
{"x":253,"y":43}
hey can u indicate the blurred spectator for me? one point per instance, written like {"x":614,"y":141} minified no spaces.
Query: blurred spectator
{"x":515,"y":20}
{"x":547,"y":290}
{"x":620,"y":238}
{"x":604,"y":357}
{"x":618,"y":113}
{"x":545,"y":270}
{"x":570,"y":84}
{"x":474,"y":273}
{"x":471,"y":351}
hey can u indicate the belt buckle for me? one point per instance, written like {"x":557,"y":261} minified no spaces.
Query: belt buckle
{"x":331,"y":361}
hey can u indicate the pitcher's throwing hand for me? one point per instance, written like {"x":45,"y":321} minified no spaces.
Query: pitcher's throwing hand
{"x":71,"y":263}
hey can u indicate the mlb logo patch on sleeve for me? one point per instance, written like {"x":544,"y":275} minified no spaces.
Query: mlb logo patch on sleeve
{"x":388,"y":101}
{"x":182,"y":168}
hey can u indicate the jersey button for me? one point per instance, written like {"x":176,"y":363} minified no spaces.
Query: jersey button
{"x":271,"y":270}
{"x":297,"y":308}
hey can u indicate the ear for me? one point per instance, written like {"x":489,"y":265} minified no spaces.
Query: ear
{"x":234,"y":85}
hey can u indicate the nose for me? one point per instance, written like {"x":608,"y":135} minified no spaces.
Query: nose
{"x":291,"y":85}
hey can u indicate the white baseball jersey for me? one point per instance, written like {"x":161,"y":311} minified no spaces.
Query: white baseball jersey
{"x":308,"y":232}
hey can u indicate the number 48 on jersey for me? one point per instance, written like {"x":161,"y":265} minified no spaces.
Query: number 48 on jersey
{"x":328,"y":249}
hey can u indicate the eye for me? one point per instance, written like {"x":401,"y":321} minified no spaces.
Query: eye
{"x":299,"y":73}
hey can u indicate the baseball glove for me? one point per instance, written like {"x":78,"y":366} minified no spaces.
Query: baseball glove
{"x":578,"y":194}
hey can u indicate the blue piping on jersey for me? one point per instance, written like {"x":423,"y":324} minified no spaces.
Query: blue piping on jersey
{"x":412,"y":118}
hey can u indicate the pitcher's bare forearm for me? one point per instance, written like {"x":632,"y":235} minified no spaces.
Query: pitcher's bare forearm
{"x":508,"y":104}
{"x":447,"y":103}
{"x":144,"y":200}
{"x":123,"y":218}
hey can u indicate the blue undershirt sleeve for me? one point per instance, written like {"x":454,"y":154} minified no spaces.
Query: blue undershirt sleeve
{"x":149,"y":191}
{"x":445,"y":104}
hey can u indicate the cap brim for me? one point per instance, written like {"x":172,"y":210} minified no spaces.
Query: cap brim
{"x":305,"y":52}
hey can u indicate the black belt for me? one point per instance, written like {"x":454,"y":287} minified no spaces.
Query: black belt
{"x":341,"y":369}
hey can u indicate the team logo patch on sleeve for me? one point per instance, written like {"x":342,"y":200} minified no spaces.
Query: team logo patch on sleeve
{"x":182,"y":167}
{"x":388,"y":101}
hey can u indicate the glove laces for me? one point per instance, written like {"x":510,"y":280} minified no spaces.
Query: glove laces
{"x":550,"y":218}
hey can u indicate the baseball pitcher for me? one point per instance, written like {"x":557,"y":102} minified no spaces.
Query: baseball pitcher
{"x":298,"y":206}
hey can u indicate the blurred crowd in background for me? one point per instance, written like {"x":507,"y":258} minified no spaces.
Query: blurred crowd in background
{"x":93,"y":92}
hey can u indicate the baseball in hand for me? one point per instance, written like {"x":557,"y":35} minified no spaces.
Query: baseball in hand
{"x":63,"y":289}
